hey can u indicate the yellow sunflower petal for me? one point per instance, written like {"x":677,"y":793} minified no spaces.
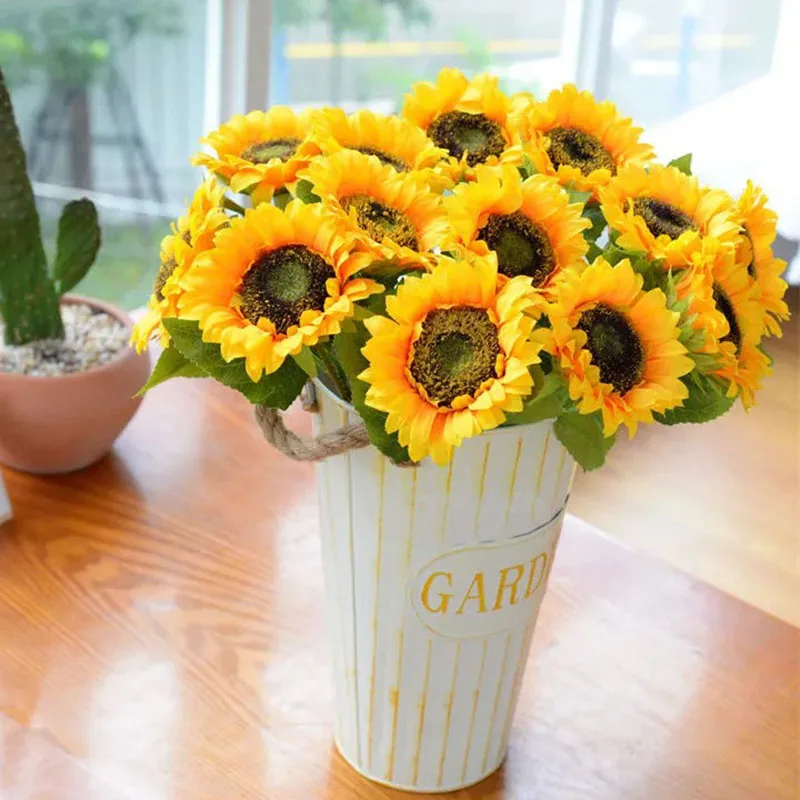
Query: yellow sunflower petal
{"x":396,"y":142}
{"x":617,"y":345}
{"x":578,"y":140}
{"x":192,"y":236}
{"x":390,"y":215}
{"x":530,"y":225}
{"x":759,"y":228}
{"x":272,"y":284}
{"x":434,"y":363}
{"x":666,"y":214}
{"x":261,"y":151}
{"x":470,"y":119}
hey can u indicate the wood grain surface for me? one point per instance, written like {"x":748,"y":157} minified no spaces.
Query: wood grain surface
{"x":161,"y":638}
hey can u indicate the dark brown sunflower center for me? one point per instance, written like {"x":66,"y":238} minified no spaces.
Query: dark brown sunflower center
{"x":384,"y":158}
{"x":725,"y":307}
{"x":282,"y":284}
{"x":455,"y":353}
{"x":262,"y":152}
{"x":379,"y":220}
{"x":572,"y":147}
{"x":615,"y":347}
{"x":663,"y":218}
{"x":165,"y":270}
{"x":522,"y":246}
{"x":751,"y":266}
{"x":474,"y":134}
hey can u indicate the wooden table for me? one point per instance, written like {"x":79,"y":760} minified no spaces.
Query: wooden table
{"x":153,"y":647}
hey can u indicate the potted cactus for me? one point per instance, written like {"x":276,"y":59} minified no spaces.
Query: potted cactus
{"x":67,"y":379}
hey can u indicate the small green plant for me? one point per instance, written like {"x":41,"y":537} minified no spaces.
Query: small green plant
{"x":30,"y":291}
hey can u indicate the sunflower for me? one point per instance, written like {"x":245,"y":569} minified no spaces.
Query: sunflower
{"x":758,"y":233}
{"x":743,"y":363}
{"x":580,"y":141}
{"x":393,"y":140}
{"x":192,"y":234}
{"x":470,"y":119}
{"x":275,"y":281}
{"x":617,"y":345}
{"x":390,"y":214}
{"x":666,"y":213}
{"x":530,"y":225}
{"x":260,"y":152}
{"x":696,"y":288}
{"x":453,"y":358}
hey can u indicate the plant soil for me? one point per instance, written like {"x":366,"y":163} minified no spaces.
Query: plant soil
{"x":93,"y":338}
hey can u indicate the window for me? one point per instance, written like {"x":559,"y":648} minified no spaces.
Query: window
{"x":109,"y":97}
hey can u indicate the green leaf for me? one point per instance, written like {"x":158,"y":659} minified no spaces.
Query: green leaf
{"x":305,"y":360}
{"x":549,"y":400}
{"x":582,"y":435}
{"x":282,"y":198}
{"x":705,"y":362}
{"x":386,"y":269}
{"x":171,"y":364}
{"x":683,"y":163}
{"x":593,"y":213}
{"x":614,"y":254}
{"x":348,"y":352}
{"x":78,"y":243}
{"x":277,"y":390}
{"x":706,"y":401}
{"x":305,"y":191}
{"x":593,"y":252}
{"x":527,"y":169}
{"x":576,"y":196}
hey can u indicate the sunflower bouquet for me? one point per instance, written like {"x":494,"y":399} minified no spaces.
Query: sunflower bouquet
{"x":478,"y":261}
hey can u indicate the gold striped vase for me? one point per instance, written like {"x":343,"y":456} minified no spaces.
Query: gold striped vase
{"x":434,"y":577}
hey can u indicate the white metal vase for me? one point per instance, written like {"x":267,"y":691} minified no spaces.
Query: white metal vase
{"x":433,"y":579}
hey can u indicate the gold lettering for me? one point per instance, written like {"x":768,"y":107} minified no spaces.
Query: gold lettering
{"x":444,"y":597}
{"x":532,"y":587}
{"x":506,"y":584}
{"x":480,"y":595}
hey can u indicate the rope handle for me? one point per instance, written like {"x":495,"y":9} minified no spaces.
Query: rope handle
{"x":311,"y":448}
{"x":305,"y":448}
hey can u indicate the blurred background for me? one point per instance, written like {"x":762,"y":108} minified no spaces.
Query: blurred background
{"x":113,"y":96}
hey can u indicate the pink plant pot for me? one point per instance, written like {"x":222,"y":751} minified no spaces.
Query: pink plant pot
{"x":60,"y":424}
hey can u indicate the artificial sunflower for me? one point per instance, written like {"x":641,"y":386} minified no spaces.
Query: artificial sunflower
{"x":470,"y":119}
{"x":580,"y":141}
{"x":759,"y":227}
{"x":695,"y":287}
{"x":392,"y":140}
{"x":390,"y":214}
{"x":666,"y":213}
{"x":530,"y":225}
{"x":617,"y":345}
{"x":275,"y":281}
{"x":192,"y":234}
{"x":260,"y":152}
{"x":743,"y":363}
{"x":453,"y":358}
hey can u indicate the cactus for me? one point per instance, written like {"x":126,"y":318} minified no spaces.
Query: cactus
{"x":29,"y":295}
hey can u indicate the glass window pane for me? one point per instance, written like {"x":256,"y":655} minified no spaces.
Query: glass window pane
{"x":367,"y":52}
{"x":715,"y":77}
{"x":109,"y":99}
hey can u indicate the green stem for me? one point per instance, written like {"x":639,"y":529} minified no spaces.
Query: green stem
{"x":232,"y":205}
{"x":322,"y":349}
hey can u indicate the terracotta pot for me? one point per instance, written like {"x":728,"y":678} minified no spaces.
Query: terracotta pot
{"x":60,"y":424}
